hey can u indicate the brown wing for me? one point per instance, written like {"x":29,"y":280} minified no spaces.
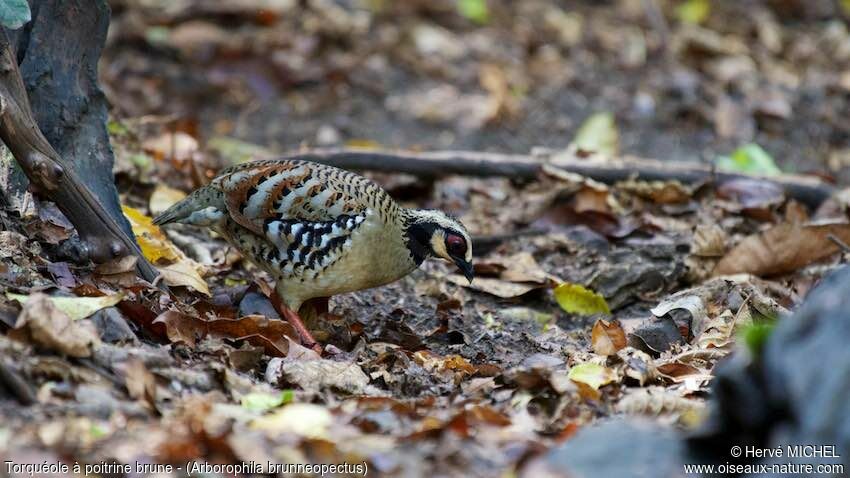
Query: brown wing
{"x":287,"y":190}
{"x":305,"y":210}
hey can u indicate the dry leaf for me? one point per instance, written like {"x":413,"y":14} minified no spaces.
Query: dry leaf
{"x":121,"y":265}
{"x":455,"y":365}
{"x":501,"y":102}
{"x":179,"y":146}
{"x":659,"y":401}
{"x":679,"y":372}
{"x":154,"y":244}
{"x":178,"y":269}
{"x":164,"y":197}
{"x":140,"y":382}
{"x":783,"y":248}
{"x":659,"y":192}
{"x":272,"y":335}
{"x":520,"y":267}
{"x":592,"y":199}
{"x":75,"y":307}
{"x":184,"y":273}
{"x":318,"y":374}
{"x":709,"y":241}
{"x":497,"y":287}
{"x":51,"y":328}
{"x":607,"y":337}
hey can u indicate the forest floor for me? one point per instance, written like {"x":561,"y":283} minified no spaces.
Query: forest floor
{"x":612,"y":299}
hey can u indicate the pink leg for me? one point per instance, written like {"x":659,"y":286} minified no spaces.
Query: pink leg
{"x":294,"y":319}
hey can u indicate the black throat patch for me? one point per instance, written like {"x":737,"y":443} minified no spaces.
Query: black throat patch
{"x":418,"y":237}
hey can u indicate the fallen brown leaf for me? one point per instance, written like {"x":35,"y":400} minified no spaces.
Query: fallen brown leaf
{"x":607,"y":337}
{"x":677,"y":371}
{"x":520,"y":267}
{"x":658,"y":401}
{"x":497,"y":287}
{"x":318,"y":374}
{"x":659,"y":192}
{"x":783,"y":248}
{"x":140,"y":382}
{"x":272,"y":335}
{"x":47,"y":326}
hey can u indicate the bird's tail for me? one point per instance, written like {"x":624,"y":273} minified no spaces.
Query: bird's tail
{"x":204,"y":207}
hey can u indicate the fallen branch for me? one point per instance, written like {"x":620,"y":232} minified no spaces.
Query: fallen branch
{"x":808,"y":190}
{"x":53,"y":176}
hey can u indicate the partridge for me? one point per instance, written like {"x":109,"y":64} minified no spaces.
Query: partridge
{"x":320,"y":230}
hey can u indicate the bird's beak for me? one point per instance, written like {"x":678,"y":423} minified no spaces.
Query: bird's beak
{"x":466,"y":268}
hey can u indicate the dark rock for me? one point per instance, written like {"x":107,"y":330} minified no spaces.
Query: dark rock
{"x":795,"y":393}
{"x":618,"y":448}
{"x":254,"y":303}
{"x":656,"y":336}
{"x":112,"y":326}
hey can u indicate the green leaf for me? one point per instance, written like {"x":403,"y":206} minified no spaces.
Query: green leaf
{"x":592,"y":375}
{"x":598,"y":134}
{"x":260,"y":402}
{"x":755,"y":336}
{"x":96,"y":431}
{"x":14,"y":13}
{"x":694,"y":11}
{"x":474,"y":10}
{"x":115,"y":128}
{"x":157,"y":35}
{"x":750,"y":159}
{"x":576,"y":299}
{"x":76,"y":307}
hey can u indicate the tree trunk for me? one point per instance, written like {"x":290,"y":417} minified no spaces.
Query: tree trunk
{"x":53,"y":120}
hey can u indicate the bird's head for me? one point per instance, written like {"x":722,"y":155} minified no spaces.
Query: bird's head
{"x":432,"y":233}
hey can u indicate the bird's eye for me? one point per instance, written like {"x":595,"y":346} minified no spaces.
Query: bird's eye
{"x":456,"y":245}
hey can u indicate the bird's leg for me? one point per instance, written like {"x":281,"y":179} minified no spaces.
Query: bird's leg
{"x":294,"y":319}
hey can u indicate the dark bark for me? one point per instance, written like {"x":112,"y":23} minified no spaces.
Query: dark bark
{"x":808,"y":190}
{"x":58,"y":53}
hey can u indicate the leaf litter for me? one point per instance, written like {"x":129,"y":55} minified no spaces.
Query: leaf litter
{"x":554,"y":327}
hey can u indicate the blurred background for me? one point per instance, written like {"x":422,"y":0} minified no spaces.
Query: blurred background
{"x":683,"y":80}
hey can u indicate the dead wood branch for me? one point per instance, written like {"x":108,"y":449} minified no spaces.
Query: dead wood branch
{"x":53,"y":176}
{"x":808,"y":190}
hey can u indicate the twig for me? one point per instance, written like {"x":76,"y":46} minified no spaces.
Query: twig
{"x":55,"y":177}
{"x":808,"y":190}
{"x":659,"y":24}
{"x":12,"y":381}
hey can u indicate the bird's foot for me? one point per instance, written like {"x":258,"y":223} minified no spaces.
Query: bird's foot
{"x":307,"y":339}
{"x":294,"y":319}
